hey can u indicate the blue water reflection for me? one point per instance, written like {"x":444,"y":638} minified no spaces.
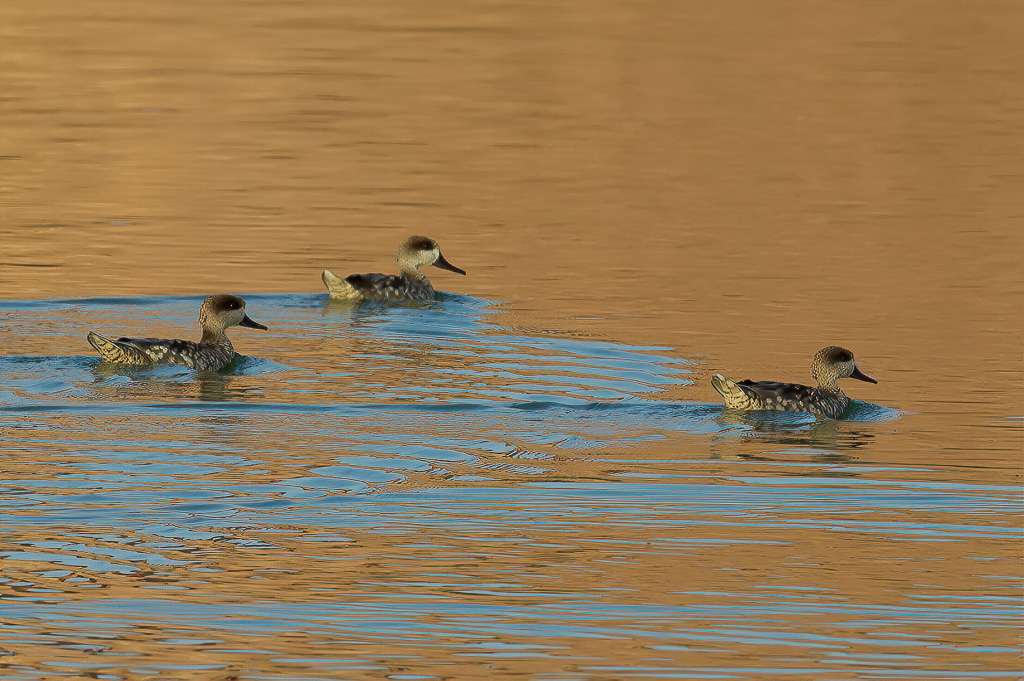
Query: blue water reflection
{"x":426,"y":474}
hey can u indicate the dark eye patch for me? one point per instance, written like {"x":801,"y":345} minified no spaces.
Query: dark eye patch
{"x":227,"y":304}
{"x":421,"y":244}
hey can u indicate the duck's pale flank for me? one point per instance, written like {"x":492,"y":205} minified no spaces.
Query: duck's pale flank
{"x":408,"y":285}
{"x":826,"y":399}
{"x":213,"y":351}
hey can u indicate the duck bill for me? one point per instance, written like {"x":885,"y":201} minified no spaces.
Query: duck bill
{"x":250,"y":323}
{"x":861,"y":376}
{"x":445,"y":265}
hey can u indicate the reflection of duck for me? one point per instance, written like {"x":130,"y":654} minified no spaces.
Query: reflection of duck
{"x":827,"y":399}
{"x":214,"y":351}
{"x":773,"y":429}
{"x":409,"y":284}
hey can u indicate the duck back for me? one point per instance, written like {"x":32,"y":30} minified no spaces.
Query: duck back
{"x":143,"y":351}
{"x":773,"y":396}
{"x":795,"y":397}
{"x":376,"y":287}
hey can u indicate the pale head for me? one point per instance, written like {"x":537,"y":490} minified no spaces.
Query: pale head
{"x":834,"y":362}
{"x":417,"y":251}
{"x":222,"y":311}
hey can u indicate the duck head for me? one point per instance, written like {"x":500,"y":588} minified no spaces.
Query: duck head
{"x":417,"y":251}
{"x":222,"y":311}
{"x":835,"y":362}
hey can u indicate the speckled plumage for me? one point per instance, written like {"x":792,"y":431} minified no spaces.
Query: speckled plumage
{"x":378,"y":288}
{"x":214,"y":351}
{"x":409,"y":285}
{"x":826,"y":399}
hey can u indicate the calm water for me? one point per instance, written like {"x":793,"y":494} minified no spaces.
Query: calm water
{"x":425,"y":491}
{"x":531,"y":477}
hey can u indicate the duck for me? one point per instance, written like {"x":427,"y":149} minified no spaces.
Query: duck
{"x":212,"y":353}
{"x":408,"y":285}
{"x":826,"y":399}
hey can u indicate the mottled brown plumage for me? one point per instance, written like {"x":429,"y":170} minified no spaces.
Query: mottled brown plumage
{"x":409,"y":285}
{"x":826,"y":399}
{"x":213,"y":351}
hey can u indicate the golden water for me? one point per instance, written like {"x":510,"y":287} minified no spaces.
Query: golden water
{"x":533,"y":477}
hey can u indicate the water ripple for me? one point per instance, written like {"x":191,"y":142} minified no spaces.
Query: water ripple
{"x":427,"y":474}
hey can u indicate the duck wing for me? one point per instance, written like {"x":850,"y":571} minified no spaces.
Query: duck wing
{"x":375,"y":283}
{"x":758,"y":395}
{"x":773,"y":390}
{"x":145,"y":351}
{"x":376,"y":287}
{"x":782,"y":396}
{"x":163,"y":350}
{"x":198,"y":356}
{"x":388,"y":288}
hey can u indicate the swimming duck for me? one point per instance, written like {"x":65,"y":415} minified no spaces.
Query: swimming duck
{"x":212,"y":352}
{"x":408,"y":285}
{"x":827,"y":399}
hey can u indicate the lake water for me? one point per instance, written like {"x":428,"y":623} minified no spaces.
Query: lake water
{"x":532,"y":477}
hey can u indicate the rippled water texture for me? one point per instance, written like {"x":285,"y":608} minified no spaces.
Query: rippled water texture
{"x":531,"y":477}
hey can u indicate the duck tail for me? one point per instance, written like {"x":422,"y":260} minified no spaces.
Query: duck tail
{"x":116,"y":351}
{"x":336,"y":286}
{"x":733,"y":394}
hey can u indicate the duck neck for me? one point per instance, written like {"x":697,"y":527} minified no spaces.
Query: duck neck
{"x":828,"y":385}
{"x":413,"y":273}
{"x":214,"y":337}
